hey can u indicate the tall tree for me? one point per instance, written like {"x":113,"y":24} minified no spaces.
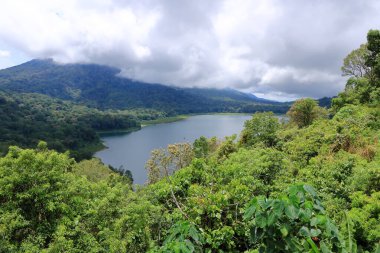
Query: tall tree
{"x":373,"y":58}
{"x":164,"y":162}
{"x":355,"y":63}
{"x":261,"y":128}
{"x":304,"y":111}
{"x":364,"y":85}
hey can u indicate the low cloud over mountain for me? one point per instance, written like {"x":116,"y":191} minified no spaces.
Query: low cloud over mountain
{"x":283,"y":49}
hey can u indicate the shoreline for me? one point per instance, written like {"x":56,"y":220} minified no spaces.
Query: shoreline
{"x":145,"y":123}
{"x":117,"y":131}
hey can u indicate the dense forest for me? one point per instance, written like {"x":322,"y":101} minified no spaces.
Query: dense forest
{"x":28,"y":118}
{"x":311,"y":184}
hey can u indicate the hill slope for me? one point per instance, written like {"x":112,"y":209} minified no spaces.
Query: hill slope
{"x":28,"y":118}
{"x":101,"y":87}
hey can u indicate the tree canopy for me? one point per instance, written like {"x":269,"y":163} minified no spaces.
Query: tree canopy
{"x":363,"y":67}
{"x":304,"y":111}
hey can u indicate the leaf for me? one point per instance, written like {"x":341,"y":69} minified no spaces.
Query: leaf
{"x":261,"y":221}
{"x":284,"y":231}
{"x":278,"y":207}
{"x":310,"y":190}
{"x":308,"y":204}
{"x":291,"y":212}
{"x":294,"y":244}
{"x":324,"y":248}
{"x":318,"y":206}
{"x":262,"y":202}
{"x":272,"y":218}
{"x":313,"y":221}
{"x":315,"y":232}
{"x":249,"y":212}
{"x":294,"y":200}
{"x":304,"y":231}
{"x":293,"y":190}
{"x":304,"y":215}
{"x":321,"y":219}
{"x":193,"y":233}
{"x":187,"y":247}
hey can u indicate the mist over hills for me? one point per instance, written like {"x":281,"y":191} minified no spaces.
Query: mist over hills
{"x":101,"y":87}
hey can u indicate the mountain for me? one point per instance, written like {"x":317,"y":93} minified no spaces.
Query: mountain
{"x":229,"y":94}
{"x":325,"y":101}
{"x":101,"y":87}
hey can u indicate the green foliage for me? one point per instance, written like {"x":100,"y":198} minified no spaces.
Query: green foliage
{"x":164,"y":162}
{"x":183,"y":238}
{"x":206,"y":198}
{"x":295,"y":222}
{"x":365,"y":216}
{"x":362,"y":88}
{"x":373,"y":58}
{"x":261,"y":128}
{"x":28,"y":118}
{"x":94,"y":170}
{"x":355,"y":63}
{"x":201,"y":147}
{"x":47,"y":208}
{"x":227,"y":147}
{"x":339,"y":157}
{"x":304,"y":111}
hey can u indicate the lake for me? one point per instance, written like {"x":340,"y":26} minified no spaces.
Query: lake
{"x":132,"y":150}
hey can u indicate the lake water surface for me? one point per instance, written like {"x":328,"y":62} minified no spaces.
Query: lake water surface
{"x":132,"y":150}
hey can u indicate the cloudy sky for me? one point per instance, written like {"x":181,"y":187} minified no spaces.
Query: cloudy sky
{"x":279,"y":49}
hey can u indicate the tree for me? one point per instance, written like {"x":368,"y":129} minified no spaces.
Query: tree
{"x":355,"y":63}
{"x":373,"y":58}
{"x":304,"y":111}
{"x":261,"y":128}
{"x":227,"y":147}
{"x":164,"y":162}
{"x":201,"y":147}
{"x":363,"y":65}
{"x":47,"y":204}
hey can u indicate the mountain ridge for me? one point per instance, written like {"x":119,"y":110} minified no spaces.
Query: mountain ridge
{"x":101,"y":87}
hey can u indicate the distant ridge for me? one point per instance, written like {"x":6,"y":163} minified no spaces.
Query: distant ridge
{"x":100,"y":86}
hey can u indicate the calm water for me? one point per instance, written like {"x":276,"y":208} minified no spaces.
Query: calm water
{"x":132,"y":150}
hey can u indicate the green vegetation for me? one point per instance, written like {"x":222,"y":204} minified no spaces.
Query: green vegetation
{"x":295,"y":223}
{"x":261,"y":128}
{"x":363,"y":67}
{"x":308,"y":185}
{"x":47,"y":206}
{"x":304,"y":111}
{"x":28,"y":118}
{"x":164,"y":120}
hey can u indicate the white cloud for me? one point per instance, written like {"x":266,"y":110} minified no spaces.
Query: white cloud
{"x":273,"y":47}
{"x":4,"y":53}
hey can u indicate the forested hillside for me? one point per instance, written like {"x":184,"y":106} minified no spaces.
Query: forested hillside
{"x":28,"y":118}
{"x":311,"y":184}
{"x":101,"y":87}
